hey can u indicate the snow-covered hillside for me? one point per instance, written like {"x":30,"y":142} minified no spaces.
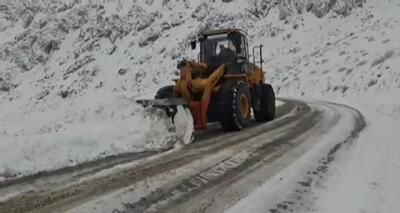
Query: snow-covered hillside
{"x":336,"y":56}
{"x":70,"y":70}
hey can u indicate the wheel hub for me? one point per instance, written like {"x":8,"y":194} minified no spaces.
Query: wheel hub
{"x":244,"y":106}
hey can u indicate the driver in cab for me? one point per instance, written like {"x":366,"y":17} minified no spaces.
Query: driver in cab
{"x":227,"y":54}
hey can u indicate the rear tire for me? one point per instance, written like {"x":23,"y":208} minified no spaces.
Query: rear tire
{"x":266,"y":111}
{"x":235,"y":106}
{"x":165,"y":92}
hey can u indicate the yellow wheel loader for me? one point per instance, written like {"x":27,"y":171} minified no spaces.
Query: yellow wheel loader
{"x":223,"y":85}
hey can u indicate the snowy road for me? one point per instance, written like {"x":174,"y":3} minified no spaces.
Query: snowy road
{"x":210,"y":175}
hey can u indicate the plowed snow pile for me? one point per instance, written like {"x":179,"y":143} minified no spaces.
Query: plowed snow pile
{"x":69,"y":75}
{"x":93,"y":129}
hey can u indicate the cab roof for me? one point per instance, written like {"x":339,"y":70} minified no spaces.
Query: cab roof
{"x":223,"y":31}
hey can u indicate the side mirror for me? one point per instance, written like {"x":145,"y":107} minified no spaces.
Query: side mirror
{"x":193,"y":44}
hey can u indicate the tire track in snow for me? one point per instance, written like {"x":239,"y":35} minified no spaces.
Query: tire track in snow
{"x":244,"y":161}
{"x":224,"y":190}
{"x":302,"y":193}
{"x":229,"y":168}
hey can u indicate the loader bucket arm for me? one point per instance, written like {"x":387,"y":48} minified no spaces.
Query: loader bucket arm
{"x":168,"y":105}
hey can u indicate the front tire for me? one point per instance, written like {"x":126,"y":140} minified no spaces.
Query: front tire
{"x":266,"y":110}
{"x":235,"y":106}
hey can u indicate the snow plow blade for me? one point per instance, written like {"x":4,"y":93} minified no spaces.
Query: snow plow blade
{"x":168,"y":105}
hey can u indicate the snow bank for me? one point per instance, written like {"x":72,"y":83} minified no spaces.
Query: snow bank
{"x":68,"y":80}
{"x":103,"y":128}
{"x":366,"y":179}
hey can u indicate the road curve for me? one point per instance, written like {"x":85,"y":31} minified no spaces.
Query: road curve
{"x":209,"y":175}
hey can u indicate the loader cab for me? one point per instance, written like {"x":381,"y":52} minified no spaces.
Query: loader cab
{"x":227,"y":46}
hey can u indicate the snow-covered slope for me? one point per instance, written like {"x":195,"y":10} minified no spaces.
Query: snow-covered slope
{"x":336,"y":56}
{"x":70,"y":70}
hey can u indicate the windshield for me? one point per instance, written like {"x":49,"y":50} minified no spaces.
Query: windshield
{"x":218,"y":49}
